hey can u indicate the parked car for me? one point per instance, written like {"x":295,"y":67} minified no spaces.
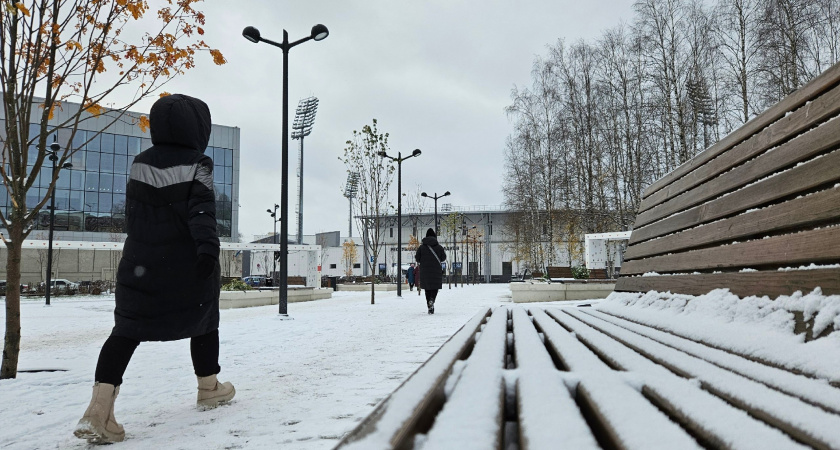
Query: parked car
{"x":62,"y":284}
{"x":256,"y":280}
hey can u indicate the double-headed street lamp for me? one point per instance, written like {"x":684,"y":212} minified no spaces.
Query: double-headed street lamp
{"x":318,"y":32}
{"x":399,"y":159}
{"x":274,"y":219}
{"x":53,"y":152}
{"x":435,"y":197}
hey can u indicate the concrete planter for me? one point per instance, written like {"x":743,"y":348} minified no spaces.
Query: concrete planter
{"x":245,"y":299}
{"x":551,"y":292}
{"x":366,"y":287}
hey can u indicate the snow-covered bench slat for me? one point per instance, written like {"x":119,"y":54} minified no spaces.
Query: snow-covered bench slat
{"x":802,"y":421}
{"x":620,"y":410}
{"x":473,"y":414}
{"x":809,"y":389}
{"x":743,"y":213}
{"x":713,"y":420}
{"x":411,"y":408}
{"x":548,"y":415}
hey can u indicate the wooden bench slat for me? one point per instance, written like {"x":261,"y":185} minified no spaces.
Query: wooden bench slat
{"x":472,"y":416}
{"x":395,"y":421}
{"x":572,"y":353}
{"x":771,"y":283}
{"x":814,"y":246}
{"x":624,"y":411}
{"x":819,"y":110}
{"x":742,"y":284}
{"x":548,"y":415}
{"x":807,"y":176}
{"x":802,"y":148}
{"x":708,"y":416}
{"x":811,"y":90}
{"x":796,"y":213}
{"x":559,"y":272}
{"x":804,"y":422}
{"x":815,"y":392}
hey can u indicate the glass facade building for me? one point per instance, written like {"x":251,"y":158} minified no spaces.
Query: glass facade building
{"x":90,"y":197}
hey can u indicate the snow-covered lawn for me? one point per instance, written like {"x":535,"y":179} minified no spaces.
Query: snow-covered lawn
{"x":301,"y":383}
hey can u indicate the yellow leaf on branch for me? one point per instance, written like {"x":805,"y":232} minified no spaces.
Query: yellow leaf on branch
{"x":22,"y":9}
{"x":143,"y":124}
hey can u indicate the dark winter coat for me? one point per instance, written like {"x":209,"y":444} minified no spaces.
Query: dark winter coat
{"x":431,"y":273}
{"x":409,"y":275}
{"x":171,"y":219}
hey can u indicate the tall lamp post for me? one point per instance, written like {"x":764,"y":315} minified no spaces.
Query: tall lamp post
{"x":435,"y":197}
{"x":302,"y":126}
{"x":399,"y":159}
{"x":274,"y":219}
{"x":53,"y":152}
{"x":318,"y":32}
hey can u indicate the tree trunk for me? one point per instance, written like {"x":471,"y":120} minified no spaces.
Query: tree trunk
{"x":372,"y":290}
{"x":11,"y":348}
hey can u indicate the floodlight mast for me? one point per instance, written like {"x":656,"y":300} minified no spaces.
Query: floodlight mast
{"x":302,"y":126}
{"x":351,"y":188}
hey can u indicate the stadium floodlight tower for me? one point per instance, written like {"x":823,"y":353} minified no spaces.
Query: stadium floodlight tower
{"x":351,"y":188}
{"x":302,"y":126}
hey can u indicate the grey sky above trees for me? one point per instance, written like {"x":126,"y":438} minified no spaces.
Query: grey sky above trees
{"x":436,"y":74}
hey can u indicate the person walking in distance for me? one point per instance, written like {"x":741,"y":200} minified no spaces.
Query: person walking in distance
{"x":168,"y":278}
{"x":429,"y":256}
{"x":409,"y":277}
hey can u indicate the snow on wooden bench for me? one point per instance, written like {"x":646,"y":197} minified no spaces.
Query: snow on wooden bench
{"x":756,"y":213}
{"x":546,"y":378}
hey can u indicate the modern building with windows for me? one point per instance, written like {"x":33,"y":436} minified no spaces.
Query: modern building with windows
{"x":90,"y":197}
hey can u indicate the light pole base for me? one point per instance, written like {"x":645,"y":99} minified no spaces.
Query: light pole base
{"x":284,"y":317}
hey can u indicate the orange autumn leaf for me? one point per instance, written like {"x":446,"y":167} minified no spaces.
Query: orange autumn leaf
{"x":164,"y":94}
{"x":22,"y":9}
{"x":218,"y":58}
{"x":94,"y":108}
{"x":144,"y":124}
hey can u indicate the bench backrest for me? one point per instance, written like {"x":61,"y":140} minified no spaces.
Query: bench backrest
{"x":762,"y":201}
{"x":559,"y":272}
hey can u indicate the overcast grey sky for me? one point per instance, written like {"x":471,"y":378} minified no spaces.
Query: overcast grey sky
{"x":436,"y":74}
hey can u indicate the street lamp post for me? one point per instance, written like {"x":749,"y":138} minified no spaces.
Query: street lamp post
{"x":53,"y":152}
{"x":399,"y":159}
{"x":318,"y":32}
{"x":275,"y":220}
{"x":435,"y":197}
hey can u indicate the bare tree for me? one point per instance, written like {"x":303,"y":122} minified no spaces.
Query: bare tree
{"x":362,"y":155}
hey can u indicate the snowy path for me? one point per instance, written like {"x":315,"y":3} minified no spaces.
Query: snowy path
{"x":301,"y":383}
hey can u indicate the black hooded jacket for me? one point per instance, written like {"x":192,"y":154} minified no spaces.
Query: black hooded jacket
{"x":431,"y":272}
{"x":171,"y":219}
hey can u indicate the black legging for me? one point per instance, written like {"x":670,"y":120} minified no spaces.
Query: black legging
{"x":431,"y":294}
{"x":117,"y":352}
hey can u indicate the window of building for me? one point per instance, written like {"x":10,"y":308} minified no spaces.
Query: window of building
{"x":357,"y":266}
{"x":392,"y":232}
{"x":332,"y":266}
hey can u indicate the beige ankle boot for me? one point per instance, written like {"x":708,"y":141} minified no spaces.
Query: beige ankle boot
{"x":211,"y":393}
{"x":98,"y":425}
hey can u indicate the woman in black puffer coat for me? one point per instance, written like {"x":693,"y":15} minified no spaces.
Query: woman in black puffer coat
{"x":429,"y":256}
{"x":168,"y":278}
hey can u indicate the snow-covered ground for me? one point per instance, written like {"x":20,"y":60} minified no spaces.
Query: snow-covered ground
{"x":301,"y":383}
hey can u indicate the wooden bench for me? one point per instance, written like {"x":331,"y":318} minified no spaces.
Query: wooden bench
{"x":598,"y":274}
{"x":757,"y":213}
{"x":545,"y":378}
{"x":559,"y":272}
{"x":751,"y":210}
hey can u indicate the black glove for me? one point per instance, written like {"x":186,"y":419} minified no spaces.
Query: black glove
{"x":205,"y":266}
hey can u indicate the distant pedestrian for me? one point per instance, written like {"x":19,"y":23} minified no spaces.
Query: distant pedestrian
{"x":430,"y":255}
{"x":168,"y":278}
{"x":409,"y":277}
